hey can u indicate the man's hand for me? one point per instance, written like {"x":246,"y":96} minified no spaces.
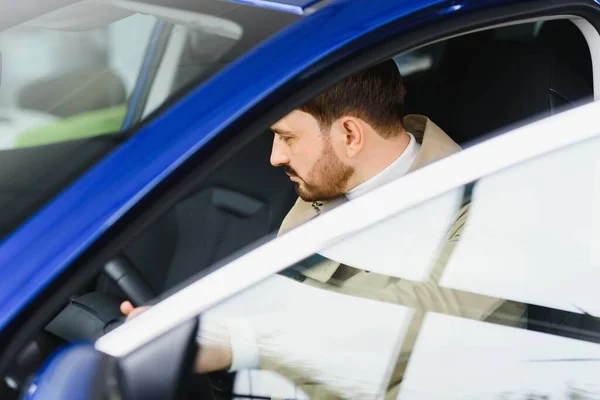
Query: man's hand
{"x":130,"y":311}
{"x":215,"y":353}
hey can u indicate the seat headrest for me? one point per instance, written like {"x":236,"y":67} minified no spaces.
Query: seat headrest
{"x":511,"y":82}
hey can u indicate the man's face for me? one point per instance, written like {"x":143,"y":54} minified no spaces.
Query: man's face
{"x":308,"y":157}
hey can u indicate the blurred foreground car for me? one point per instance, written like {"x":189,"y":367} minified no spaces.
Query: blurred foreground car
{"x":139,"y":170}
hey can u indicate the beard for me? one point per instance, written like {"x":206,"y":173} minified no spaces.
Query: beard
{"x":326,"y":180}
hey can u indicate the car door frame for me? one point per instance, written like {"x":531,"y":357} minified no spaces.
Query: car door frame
{"x":96,"y":231}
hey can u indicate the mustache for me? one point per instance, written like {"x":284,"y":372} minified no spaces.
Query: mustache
{"x":290,"y":171}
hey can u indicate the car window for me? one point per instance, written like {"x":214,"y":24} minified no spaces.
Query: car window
{"x":65,"y":84}
{"x":444,"y":80}
{"x":78,"y":81}
{"x":539,"y":219}
{"x":517,"y":241}
{"x":426,"y":60}
{"x":344,"y":323}
{"x":318,"y":317}
{"x":83,"y":70}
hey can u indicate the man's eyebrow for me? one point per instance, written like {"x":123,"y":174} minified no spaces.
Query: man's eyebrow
{"x":281,"y":131}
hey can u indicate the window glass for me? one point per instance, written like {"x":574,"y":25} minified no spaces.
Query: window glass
{"x":449,"y":91}
{"x":426,"y":60}
{"x":418,"y":247}
{"x":316,"y":308}
{"x":76,"y":78}
{"x":536,"y":228}
{"x":89,"y":68}
{"x":516,"y":242}
{"x":80,"y":75}
{"x":281,"y":311}
{"x":466,"y":359}
{"x":67,"y":84}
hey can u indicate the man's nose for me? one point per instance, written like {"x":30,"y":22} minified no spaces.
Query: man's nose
{"x":279,"y":157}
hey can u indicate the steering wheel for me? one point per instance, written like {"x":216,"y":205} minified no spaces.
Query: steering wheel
{"x":127,"y":278}
{"x":92,"y":315}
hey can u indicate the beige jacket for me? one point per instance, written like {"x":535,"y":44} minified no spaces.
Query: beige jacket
{"x":424,"y":297}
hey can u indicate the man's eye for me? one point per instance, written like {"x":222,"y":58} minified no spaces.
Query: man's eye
{"x":285,"y":139}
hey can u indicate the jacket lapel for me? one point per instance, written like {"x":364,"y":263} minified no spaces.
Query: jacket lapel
{"x":435,"y":144}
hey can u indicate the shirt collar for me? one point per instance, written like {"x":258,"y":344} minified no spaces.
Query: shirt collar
{"x":398,"y":168}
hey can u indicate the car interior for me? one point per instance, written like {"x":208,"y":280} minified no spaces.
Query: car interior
{"x":475,"y":84}
{"x":247,"y":198}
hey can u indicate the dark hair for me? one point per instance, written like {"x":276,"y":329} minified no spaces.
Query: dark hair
{"x":375,"y":95}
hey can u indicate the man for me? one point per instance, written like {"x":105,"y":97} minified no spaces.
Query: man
{"x":341,"y":144}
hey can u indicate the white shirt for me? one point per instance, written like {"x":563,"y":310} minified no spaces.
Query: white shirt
{"x":397,"y":169}
{"x":244,"y":346}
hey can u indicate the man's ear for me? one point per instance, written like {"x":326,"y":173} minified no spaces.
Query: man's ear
{"x":353,"y":134}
